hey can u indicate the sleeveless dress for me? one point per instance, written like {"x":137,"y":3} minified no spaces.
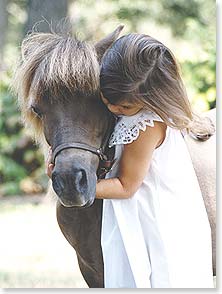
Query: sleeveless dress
{"x":160,"y":237}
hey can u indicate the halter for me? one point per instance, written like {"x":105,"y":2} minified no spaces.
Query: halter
{"x":106,"y":161}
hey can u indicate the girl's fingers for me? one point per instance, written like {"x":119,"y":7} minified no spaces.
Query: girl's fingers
{"x":49,"y":156}
{"x":49,"y":169}
{"x":49,"y":165}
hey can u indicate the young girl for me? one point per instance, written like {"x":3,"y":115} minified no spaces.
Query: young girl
{"x":155,"y":229}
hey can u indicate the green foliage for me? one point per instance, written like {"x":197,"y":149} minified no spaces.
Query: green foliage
{"x":201,"y":76}
{"x":19,"y":157}
{"x":178,"y":13}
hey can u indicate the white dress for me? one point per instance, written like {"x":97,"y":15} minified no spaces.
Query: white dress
{"x":159,"y":238}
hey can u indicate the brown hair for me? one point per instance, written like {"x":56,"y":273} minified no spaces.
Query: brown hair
{"x":138,"y":68}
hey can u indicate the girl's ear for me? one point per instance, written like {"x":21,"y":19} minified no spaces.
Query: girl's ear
{"x":106,"y":42}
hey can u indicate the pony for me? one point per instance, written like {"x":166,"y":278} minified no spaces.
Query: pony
{"x":57,"y":83}
{"x":203,"y":155}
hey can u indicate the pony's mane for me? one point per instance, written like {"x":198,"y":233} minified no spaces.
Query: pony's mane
{"x":52,"y":65}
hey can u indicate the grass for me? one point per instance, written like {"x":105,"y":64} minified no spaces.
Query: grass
{"x":33,"y":251}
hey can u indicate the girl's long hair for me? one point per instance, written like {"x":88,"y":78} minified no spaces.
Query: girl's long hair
{"x":140,"y":69}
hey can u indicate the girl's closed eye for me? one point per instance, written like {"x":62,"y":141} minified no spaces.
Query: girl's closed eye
{"x":123,"y":108}
{"x":126,"y":107}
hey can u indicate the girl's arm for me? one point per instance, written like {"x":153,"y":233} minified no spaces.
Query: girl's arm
{"x":134,"y":164}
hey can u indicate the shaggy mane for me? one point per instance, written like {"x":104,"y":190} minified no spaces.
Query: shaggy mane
{"x":52,"y":65}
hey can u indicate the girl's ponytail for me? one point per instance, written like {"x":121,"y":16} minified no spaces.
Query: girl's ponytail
{"x":201,"y":127}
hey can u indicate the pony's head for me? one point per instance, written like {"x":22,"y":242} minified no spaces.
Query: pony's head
{"x":57,"y":84}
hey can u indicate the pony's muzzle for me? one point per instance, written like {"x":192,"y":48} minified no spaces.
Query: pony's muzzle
{"x":72,"y":187}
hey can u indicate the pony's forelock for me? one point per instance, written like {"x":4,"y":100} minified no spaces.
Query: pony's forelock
{"x":51,"y":65}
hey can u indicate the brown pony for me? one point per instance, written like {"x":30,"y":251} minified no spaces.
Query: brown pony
{"x":57,"y":84}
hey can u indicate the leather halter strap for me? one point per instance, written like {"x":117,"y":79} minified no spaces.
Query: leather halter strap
{"x":105,"y":161}
{"x":82,"y":146}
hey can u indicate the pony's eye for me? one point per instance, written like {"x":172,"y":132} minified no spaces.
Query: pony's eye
{"x":36,"y":111}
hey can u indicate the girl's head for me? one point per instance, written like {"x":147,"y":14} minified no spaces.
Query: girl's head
{"x":140,"y":72}
{"x":123,"y":107}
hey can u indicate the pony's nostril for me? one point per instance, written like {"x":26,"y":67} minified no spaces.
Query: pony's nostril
{"x":58,"y":184}
{"x":80,"y":179}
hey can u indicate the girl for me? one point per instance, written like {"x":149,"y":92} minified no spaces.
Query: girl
{"x":155,"y":230}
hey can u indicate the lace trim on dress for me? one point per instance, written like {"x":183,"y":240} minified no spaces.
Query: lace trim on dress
{"x":127,"y":128}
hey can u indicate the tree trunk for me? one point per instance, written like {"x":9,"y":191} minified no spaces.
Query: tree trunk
{"x":3,"y":26}
{"x":47,"y":12}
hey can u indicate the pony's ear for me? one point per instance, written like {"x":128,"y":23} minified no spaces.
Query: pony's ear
{"x":106,"y":42}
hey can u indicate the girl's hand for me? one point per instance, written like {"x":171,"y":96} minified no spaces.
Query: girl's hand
{"x":49,"y":165}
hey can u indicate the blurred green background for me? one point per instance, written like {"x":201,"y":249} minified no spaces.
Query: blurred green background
{"x":187,"y":27}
